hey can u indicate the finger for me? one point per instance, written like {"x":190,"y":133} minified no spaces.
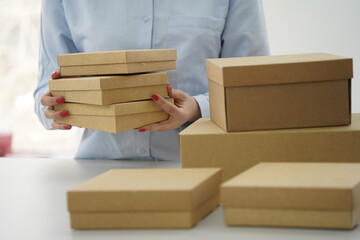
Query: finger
{"x":159,"y":127}
{"x":168,"y":107}
{"x":56,"y":74}
{"x":178,"y":95}
{"x":169,"y":88}
{"x":57,"y":125}
{"x":50,"y":113}
{"x":49,"y":100}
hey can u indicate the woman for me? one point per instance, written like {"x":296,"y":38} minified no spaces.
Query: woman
{"x":197,"y":29}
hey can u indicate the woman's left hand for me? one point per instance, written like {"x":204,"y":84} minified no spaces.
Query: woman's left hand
{"x":184,"y":109}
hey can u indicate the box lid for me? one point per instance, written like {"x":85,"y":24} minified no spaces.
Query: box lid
{"x":315,"y":186}
{"x":263,"y":70}
{"x":112,"y":57}
{"x":145,"y":190}
{"x":118,"y":109}
{"x":204,"y":126}
{"x":108,"y":82}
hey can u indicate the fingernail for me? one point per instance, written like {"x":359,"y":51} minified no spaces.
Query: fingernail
{"x":169,"y":88}
{"x":67,"y":127}
{"x":54,"y":74}
{"x":142,"y":130}
{"x":64,"y":113}
{"x":60,"y":100}
{"x":155,"y":97}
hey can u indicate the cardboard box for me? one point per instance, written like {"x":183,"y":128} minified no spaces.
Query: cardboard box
{"x":276,"y":92}
{"x":316,"y":195}
{"x":113,"y":118}
{"x":204,"y":144}
{"x":117,"y":62}
{"x":105,"y":90}
{"x":145,"y":198}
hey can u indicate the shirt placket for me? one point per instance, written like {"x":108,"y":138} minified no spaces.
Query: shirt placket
{"x":147,"y":21}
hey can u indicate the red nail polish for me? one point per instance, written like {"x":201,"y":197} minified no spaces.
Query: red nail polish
{"x":64,"y":113}
{"x":54,"y":74}
{"x":155,"y":97}
{"x":67,"y":127}
{"x":169,"y":88}
{"x":60,"y":100}
{"x":142,"y":130}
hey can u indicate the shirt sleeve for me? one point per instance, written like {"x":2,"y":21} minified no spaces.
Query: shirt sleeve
{"x":244,"y":35}
{"x":55,"y":38}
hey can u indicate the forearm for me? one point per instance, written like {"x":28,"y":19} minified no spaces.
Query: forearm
{"x":55,"y":38}
{"x":245,"y":30}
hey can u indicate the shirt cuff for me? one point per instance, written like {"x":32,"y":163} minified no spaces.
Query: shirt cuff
{"x":203,"y":102}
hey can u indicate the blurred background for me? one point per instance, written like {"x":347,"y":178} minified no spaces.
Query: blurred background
{"x":19,"y":50}
{"x":331,"y":26}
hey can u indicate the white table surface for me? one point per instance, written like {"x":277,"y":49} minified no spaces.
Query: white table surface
{"x":33,"y":206}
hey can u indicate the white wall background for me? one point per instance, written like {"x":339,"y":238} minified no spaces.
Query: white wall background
{"x":304,"y":26}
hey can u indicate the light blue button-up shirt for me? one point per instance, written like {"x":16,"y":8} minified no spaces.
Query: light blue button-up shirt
{"x":197,"y":29}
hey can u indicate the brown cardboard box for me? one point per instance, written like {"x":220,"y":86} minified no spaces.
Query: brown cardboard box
{"x":145,"y":198}
{"x":117,"y":62}
{"x":204,"y":144}
{"x":318,"y":195}
{"x":113,"y":118}
{"x":276,"y":92}
{"x":105,"y":90}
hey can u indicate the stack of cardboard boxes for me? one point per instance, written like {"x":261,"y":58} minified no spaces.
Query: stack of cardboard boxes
{"x":302,"y":94}
{"x":292,"y":93}
{"x":318,"y":195}
{"x":100,"y":98}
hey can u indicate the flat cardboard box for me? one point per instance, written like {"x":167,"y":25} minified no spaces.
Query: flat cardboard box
{"x":277,"y":92}
{"x":105,"y":90}
{"x":316,"y":195}
{"x":113,"y":118}
{"x":204,"y":144}
{"x":117,"y":62}
{"x":145,"y":198}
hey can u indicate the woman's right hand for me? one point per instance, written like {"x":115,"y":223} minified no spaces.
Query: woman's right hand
{"x":50,"y":101}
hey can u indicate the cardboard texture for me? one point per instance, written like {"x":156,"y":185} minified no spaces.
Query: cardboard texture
{"x":120,"y":56}
{"x":117,"y":62}
{"x":145,"y":198}
{"x":319,"y":195}
{"x":204,"y":144}
{"x":108,"y":69}
{"x":276,"y":92}
{"x":105,"y":90}
{"x":161,"y":219}
{"x":113,"y":118}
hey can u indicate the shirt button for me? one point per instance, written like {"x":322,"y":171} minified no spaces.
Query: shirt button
{"x":142,"y":150}
{"x":146,"y":19}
